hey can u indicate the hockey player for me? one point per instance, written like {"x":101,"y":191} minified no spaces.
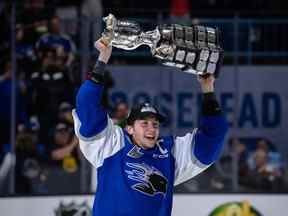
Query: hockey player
{"x":137,"y":169}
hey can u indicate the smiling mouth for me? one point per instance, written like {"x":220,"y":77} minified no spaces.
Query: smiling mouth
{"x":150,"y":138}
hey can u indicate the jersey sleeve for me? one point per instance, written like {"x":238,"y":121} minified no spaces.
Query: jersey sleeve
{"x":186,"y":164}
{"x":98,"y":137}
{"x":101,"y":146}
{"x":196,"y":151}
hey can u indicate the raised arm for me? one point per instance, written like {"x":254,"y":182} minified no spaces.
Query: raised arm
{"x":98,"y":137}
{"x":213,"y":126}
{"x":91,"y":114}
{"x":195,"y":151}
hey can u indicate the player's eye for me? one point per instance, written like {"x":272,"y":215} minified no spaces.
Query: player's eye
{"x":156,"y":125}
{"x":144,"y":123}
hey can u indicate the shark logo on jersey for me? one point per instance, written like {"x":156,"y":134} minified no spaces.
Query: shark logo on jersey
{"x":150,"y":180}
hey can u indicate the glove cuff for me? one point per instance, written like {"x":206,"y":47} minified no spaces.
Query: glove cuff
{"x":97,"y":74}
{"x":210,"y":106}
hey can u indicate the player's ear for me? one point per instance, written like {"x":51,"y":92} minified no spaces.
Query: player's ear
{"x":130,"y":129}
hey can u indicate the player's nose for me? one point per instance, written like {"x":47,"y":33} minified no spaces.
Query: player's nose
{"x":151,"y":126}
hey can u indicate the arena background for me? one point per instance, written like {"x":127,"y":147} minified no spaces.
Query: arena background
{"x":35,"y":110}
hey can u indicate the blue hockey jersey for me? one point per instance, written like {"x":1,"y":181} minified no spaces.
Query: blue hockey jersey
{"x":135,"y":181}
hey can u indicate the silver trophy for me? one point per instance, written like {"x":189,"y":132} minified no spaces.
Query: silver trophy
{"x":194,"y":49}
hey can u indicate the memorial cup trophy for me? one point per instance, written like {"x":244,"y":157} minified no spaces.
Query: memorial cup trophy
{"x":193,"y":49}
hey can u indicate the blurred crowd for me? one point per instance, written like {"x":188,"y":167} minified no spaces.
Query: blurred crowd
{"x":250,"y":164}
{"x":47,"y":79}
{"x":260,"y":165}
{"x":48,"y":76}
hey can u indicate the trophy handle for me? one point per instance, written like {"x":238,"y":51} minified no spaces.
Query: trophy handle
{"x":127,"y":34}
{"x":108,"y":34}
{"x":124,"y":34}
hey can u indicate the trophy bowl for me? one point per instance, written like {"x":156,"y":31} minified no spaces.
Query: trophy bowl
{"x":193,"y":49}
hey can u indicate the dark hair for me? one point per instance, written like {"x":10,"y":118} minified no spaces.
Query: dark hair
{"x":143,"y":111}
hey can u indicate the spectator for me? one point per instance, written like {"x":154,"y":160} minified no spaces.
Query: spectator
{"x":5,"y":108}
{"x":263,"y":174}
{"x":50,"y":87}
{"x":120,"y":113}
{"x":65,"y":113}
{"x":24,"y":51}
{"x":240,"y":151}
{"x":61,"y":43}
{"x":272,"y":154}
{"x":34,"y":17}
{"x":64,"y":150}
{"x":29,"y":156}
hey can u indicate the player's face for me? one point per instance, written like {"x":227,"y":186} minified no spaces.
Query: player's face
{"x":145,"y":132}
